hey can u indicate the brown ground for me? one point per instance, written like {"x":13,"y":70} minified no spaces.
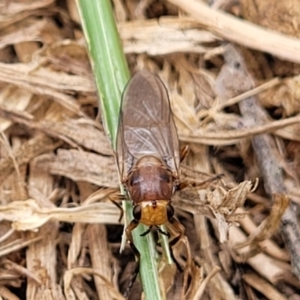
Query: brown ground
{"x":58,"y":241}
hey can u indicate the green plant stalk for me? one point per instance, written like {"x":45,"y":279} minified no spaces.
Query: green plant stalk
{"x":112,"y":74}
{"x":107,"y":59}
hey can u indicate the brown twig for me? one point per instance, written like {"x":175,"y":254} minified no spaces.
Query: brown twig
{"x":232,"y":74}
{"x":241,"y":31}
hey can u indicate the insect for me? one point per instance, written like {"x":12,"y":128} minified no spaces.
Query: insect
{"x":148,"y":157}
{"x":148,"y":154}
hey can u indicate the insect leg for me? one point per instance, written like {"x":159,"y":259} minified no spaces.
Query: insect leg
{"x":133,"y":224}
{"x":162,"y":232}
{"x":178,"y":228}
{"x":147,"y":231}
{"x":114,"y":199}
{"x":203,"y":183}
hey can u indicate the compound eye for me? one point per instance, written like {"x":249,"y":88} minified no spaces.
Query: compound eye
{"x":137,"y":212}
{"x":170,"y":211}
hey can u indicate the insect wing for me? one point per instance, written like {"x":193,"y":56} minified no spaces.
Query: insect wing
{"x":146,"y":124}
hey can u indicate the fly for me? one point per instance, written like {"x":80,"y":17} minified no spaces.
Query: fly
{"x":148,"y":155}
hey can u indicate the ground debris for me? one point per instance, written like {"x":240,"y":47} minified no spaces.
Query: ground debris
{"x":234,"y":105}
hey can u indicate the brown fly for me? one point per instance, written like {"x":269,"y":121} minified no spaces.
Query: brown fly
{"x":148,"y":154}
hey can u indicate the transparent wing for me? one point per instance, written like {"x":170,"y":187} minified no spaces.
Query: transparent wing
{"x":146,"y":124}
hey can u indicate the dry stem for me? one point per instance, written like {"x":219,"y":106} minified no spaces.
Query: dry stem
{"x":242,"y":32}
{"x":264,"y":149}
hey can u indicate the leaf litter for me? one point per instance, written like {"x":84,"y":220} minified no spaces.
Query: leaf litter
{"x":60,"y":234}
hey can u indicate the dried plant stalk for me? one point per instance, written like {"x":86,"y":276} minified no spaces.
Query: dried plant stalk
{"x":263,"y":145}
{"x":242,"y":32}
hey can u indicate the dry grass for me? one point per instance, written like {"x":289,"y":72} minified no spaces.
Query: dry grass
{"x":237,"y":108}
